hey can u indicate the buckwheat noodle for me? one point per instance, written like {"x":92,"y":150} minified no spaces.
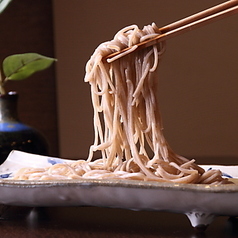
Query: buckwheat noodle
{"x":127,"y":122}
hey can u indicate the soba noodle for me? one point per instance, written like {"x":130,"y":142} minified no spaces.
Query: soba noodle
{"x":127,"y":123}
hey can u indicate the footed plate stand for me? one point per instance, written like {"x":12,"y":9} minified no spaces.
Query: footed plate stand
{"x":200,"y":203}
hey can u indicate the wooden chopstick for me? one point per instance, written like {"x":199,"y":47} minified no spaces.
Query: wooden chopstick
{"x":198,"y":16}
{"x":187,"y":24}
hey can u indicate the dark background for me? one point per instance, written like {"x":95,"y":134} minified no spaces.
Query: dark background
{"x":198,"y":72}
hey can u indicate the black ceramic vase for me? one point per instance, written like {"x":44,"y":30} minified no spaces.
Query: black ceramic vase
{"x":14,"y":135}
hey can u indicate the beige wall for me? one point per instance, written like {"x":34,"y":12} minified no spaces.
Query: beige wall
{"x":198,"y":73}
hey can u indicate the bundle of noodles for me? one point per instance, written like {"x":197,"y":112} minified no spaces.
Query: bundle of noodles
{"x":127,"y":121}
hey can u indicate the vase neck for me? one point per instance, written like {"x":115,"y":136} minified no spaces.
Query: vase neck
{"x":8,"y":107}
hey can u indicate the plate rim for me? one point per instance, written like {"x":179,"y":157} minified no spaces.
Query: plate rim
{"x":209,"y":188}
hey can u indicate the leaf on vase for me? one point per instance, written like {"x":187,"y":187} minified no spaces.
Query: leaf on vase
{"x":22,"y":66}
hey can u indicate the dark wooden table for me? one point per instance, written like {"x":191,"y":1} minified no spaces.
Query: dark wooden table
{"x":94,"y":222}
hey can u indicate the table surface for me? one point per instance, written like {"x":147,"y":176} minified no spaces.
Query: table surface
{"x":105,"y":222}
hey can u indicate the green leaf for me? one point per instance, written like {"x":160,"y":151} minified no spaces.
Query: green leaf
{"x":22,"y":66}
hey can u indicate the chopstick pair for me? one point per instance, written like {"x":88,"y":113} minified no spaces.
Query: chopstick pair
{"x":187,"y":24}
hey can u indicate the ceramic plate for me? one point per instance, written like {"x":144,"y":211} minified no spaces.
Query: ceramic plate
{"x":201,"y":203}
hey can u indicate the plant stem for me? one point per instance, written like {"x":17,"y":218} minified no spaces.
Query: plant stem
{"x":2,"y":90}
